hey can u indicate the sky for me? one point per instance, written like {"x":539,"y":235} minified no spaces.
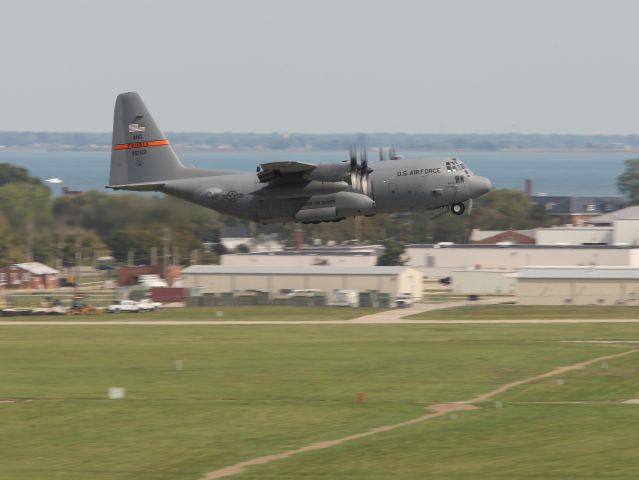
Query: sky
{"x":324,"y":66}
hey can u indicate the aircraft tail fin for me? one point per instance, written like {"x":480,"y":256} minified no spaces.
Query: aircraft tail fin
{"x":140,"y":153}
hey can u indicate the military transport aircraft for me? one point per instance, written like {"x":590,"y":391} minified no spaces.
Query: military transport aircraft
{"x":142,"y":159}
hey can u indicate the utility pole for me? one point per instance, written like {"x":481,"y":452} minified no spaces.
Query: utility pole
{"x":30,"y":228}
{"x":78,"y":258}
{"x":358,"y":229}
{"x":165,"y":250}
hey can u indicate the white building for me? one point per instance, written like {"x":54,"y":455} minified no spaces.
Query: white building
{"x":219,"y":279}
{"x":578,"y":286}
{"x":307,"y":257}
{"x":441,"y":260}
{"x":569,"y":235}
{"x":622,"y":231}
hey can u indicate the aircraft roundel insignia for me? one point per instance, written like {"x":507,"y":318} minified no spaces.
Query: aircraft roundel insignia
{"x":232,"y":196}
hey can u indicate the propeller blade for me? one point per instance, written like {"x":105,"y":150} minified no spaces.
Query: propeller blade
{"x":353,"y":156}
{"x":469,"y":207}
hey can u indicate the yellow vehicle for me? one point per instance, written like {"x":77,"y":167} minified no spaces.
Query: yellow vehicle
{"x":80,"y":306}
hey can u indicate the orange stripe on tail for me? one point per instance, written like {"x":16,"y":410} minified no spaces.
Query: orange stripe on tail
{"x":150,"y":143}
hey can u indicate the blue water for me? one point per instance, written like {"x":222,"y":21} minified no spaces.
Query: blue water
{"x":578,"y":173}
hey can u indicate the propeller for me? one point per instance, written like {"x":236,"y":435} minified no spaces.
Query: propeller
{"x":359,"y":170}
{"x":354,"y":166}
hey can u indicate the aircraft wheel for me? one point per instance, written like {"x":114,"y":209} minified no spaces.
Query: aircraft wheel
{"x":458,"y":208}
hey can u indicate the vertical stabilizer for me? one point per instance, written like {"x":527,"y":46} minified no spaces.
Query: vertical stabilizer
{"x":140,"y":151}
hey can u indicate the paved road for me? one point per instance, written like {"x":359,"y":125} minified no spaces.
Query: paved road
{"x":316,"y":322}
{"x":388,"y":317}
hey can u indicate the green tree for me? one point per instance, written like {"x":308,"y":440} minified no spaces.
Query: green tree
{"x":503,"y":209}
{"x":12,"y":174}
{"x":628,"y":181}
{"x":25,"y":204}
{"x":392,"y":255}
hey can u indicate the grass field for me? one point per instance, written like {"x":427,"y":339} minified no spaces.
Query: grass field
{"x":262,"y":312}
{"x":488,"y":312}
{"x":247,"y":391}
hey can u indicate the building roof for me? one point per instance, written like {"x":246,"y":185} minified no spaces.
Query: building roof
{"x":627,"y":213}
{"x":481,"y":246}
{"x":37,"y":268}
{"x":562,"y":205}
{"x":579,"y":273}
{"x":477,"y":235}
{"x":314,"y":253}
{"x":318,"y":270}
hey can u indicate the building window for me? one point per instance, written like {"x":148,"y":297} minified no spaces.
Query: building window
{"x":3,"y":277}
{"x":26,"y":277}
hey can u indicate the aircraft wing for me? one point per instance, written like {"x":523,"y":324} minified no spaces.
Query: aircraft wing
{"x":272,"y":170}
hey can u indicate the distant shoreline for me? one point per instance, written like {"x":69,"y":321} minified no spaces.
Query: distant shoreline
{"x":182,"y":148}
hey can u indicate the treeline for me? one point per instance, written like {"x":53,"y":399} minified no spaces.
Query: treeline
{"x":36,"y":226}
{"x":277,"y":141}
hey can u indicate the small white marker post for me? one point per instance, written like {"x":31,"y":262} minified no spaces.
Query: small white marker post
{"x":219,"y":313}
{"x":178,"y":365}
{"x":560,"y":381}
{"x":499,"y":404}
{"x":116,"y":393}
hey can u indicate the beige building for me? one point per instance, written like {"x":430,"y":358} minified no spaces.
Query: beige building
{"x":219,"y":279}
{"x":483,"y":282}
{"x":578,"y":286}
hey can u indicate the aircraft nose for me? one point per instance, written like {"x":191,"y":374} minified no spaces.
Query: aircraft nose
{"x":479,"y":186}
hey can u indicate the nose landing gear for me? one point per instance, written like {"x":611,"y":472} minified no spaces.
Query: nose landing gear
{"x":458,"y":208}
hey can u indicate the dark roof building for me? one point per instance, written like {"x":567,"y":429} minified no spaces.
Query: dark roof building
{"x":580,"y":210}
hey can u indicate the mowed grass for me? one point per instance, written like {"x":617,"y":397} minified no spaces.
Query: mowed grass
{"x":261,"y":312}
{"x":247,"y":391}
{"x":513,"y":312}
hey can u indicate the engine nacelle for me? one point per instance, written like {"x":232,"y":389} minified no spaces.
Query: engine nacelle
{"x":325,"y":208}
{"x":296,"y":190}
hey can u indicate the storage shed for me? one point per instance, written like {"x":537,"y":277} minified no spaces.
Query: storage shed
{"x":578,"y":286}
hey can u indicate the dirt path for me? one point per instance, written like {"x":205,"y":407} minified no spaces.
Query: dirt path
{"x":437,"y":410}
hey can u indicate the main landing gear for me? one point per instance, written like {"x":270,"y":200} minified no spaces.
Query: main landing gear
{"x":458,"y":208}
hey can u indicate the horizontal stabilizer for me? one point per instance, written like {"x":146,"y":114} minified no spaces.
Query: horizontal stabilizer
{"x":139,"y":187}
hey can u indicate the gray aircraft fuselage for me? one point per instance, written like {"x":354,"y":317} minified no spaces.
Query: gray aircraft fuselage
{"x":402,"y":185}
{"x":142,"y":160}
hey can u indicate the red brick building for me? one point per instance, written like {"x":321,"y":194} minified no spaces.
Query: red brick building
{"x":29,"y":275}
